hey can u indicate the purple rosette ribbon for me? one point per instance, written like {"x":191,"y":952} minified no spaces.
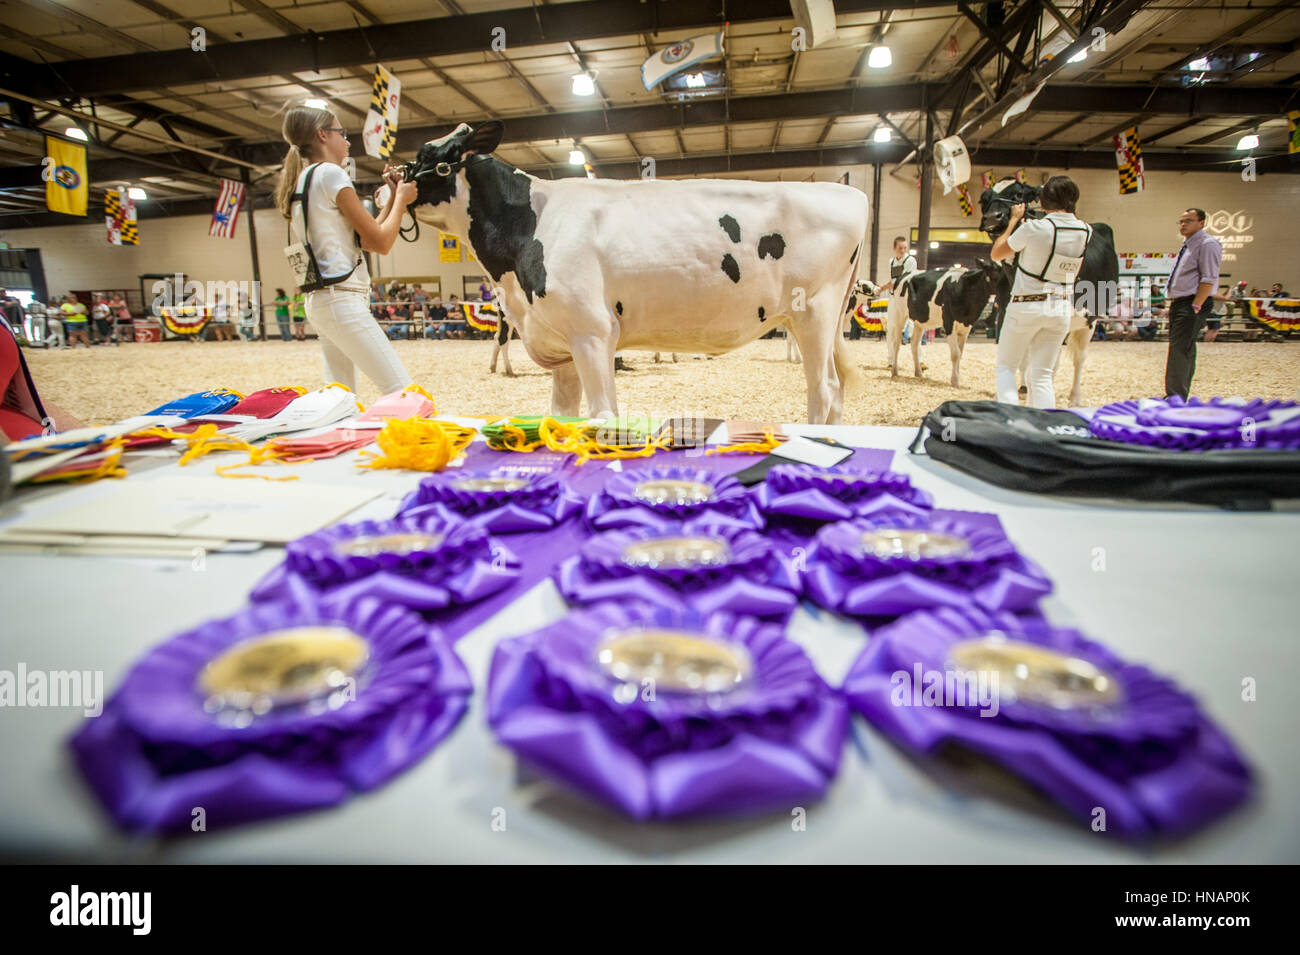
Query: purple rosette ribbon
{"x":500,"y":501}
{"x":422,"y":563}
{"x":663,"y":713}
{"x":809,"y":493}
{"x":1083,"y":726}
{"x":281,"y":708}
{"x":1196,"y":425}
{"x":707,"y":567}
{"x":895,"y":563}
{"x":664,"y":496}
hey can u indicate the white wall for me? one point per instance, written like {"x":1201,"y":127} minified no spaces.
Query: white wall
{"x":79,"y":257}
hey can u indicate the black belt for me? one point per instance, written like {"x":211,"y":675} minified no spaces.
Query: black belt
{"x":1183,"y":298}
{"x":1041,"y":297}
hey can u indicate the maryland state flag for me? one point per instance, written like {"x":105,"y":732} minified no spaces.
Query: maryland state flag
{"x":66,"y":186}
{"x":986,"y":179}
{"x":1020,"y":175}
{"x":1128,"y":157}
{"x":119,"y":216}
{"x":380,"y":133}
{"x":963,"y":200}
{"x":1293,"y":130}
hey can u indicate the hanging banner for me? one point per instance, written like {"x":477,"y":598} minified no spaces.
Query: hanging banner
{"x":66,"y":186}
{"x":1128,"y":157}
{"x":1293,"y":131}
{"x":685,"y":53}
{"x":1022,"y":104}
{"x":225,"y":214}
{"x":1020,"y":176}
{"x":119,"y":217}
{"x":963,"y":200}
{"x":449,"y":247}
{"x":952,"y":162}
{"x":986,"y":179}
{"x":380,"y":132}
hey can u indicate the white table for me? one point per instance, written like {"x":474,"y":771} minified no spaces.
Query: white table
{"x":1208,"y":597}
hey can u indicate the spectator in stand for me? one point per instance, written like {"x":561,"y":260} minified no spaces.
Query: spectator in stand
{"x":35,"y":321}
{"x":436,"y":322}
{"x":419,"y":302}
{"x":1121,"y":329}
{"x":1277,"y":291}
{"x":13,"y":311}
{"x":103,"y":316}
{"x":222,"y":330}
{"x":401,"y":327}
{"x":282,"y":302}
{"x":76,"y":322}
{"x":377,"y":298}
{"x":455,"y":319}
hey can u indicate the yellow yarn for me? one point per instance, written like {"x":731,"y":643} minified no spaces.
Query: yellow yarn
{"x":769,"y":443}
{"x":413,"y":387}
{"x":418,"y":444}
{"x":578,"y":439}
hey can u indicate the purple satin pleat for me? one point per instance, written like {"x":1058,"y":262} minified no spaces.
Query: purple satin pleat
{"x":774,"y":742}
{"x":156,"y":755}
{"x":1151,"y":760}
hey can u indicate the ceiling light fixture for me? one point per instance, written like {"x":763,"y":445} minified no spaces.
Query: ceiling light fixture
{"x":135,"y":192}
{"x":934,"y":245}
{"x":576,"y":158}
{"x":880,"y":57}
{"x":1079,"y":57}
{"x":883,"y":134}
{"x":583,"y":84}
{"x":695,"y":80}
{"x":74,"y":132}
{"x":316,"y":104}
{"x":1201,"y":64}
{"x":1249,"y":141}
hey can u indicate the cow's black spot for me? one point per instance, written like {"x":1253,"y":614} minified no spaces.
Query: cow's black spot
{"x":771,"y":244}
{"x":854,"y":257}
{"x":761,"y":314}
{"x":502,"y":224}
{"x":731,"y":227}
{"x":618,"y":307}
{"x":731,"y":267}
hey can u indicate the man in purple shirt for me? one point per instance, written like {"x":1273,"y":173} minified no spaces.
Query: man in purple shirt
{"x":1193,"y":280}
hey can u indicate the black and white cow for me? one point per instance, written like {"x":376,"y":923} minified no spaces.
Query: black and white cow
{"x":951,"y":298}
{"x":1096,"y":290}
{"x":591,"y":267}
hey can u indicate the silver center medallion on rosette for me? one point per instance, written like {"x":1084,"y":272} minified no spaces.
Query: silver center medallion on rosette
{"x":893,"y":564}
{"x":425,"y":564}
{"x":501,"y":501}
{"x":1121,"y":749}
{"x":1194,"y":425}
{"x":661,"y":497}
{"x":662,"y":713}
{"x":707,"y":567}
{"x":802,"y":493}
{"x":283,"y":707}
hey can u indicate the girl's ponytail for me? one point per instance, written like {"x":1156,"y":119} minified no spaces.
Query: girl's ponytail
{"x":300,"y":126}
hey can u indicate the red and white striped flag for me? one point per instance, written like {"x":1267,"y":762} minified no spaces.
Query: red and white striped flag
{"x":226,"y":212}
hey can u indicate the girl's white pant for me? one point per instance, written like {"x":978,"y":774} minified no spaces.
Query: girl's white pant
{"x":350,"y":338}
{"x":1036,"y":329}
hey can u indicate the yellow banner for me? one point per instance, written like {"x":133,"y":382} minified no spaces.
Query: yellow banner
{"x":448,"y":247}
{"x":66,"y":185}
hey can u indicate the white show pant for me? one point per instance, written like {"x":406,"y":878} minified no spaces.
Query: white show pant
{"x":1036,"y":329}
{"x":350,"y":338}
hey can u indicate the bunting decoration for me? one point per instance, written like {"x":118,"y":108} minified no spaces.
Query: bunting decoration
{"x":1279,"y":314}
{"x":1128,"y":157}
{"x":380,"y":133}
{"x":963,"y":200}
{"x":66,"y":184}
{"x":226,"y":212}
{"x":119,"y":217}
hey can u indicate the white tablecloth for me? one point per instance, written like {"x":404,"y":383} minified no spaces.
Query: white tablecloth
{"x":1205,"y":596}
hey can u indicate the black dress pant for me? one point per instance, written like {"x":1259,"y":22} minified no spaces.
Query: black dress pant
{"x":1184,"y":328}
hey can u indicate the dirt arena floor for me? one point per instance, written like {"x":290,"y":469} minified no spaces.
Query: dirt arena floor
{"x":105,"y":383}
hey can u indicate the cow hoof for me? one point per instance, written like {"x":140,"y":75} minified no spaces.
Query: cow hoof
{"x":621,"y":365}
{"x":1023,"y":391}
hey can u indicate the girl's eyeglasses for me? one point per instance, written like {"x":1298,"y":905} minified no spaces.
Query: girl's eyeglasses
{"x":336,"y":129}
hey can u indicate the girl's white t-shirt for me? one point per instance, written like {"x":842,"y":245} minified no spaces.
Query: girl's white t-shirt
{"x":332,"y":238}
